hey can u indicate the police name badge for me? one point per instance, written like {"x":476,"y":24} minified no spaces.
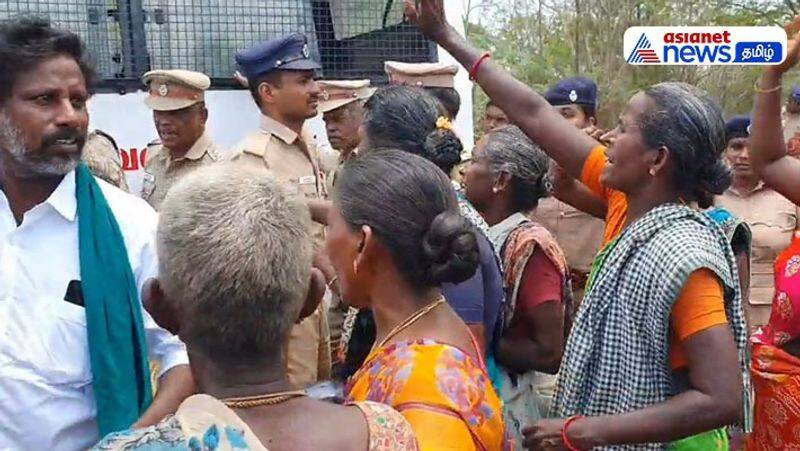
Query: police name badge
{"x":308,"y":180}
{"x":148,"y":184}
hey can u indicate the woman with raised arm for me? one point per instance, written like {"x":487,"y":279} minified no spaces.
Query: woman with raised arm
{"x":769,"y":154}
{"x":776,"y":348}
{"x":656,"y":352}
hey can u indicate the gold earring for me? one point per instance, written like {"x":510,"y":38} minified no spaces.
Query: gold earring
{"x":355,"y":267}
{"x":652,"y":172}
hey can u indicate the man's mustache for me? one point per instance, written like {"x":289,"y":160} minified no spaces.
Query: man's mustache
{"x":64,"y":134}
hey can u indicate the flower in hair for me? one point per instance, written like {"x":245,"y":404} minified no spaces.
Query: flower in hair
{"x":444,"y":123}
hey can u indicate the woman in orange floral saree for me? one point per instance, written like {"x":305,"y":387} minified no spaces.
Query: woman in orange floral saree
{"x":776,"y":362}
{"x":395,"y":235}
{"x":443,"y":392}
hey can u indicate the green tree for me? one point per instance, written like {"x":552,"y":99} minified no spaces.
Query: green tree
{"x":541,"y":41}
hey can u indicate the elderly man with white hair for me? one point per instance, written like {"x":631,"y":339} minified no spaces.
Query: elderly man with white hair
{"x":236,"y":250}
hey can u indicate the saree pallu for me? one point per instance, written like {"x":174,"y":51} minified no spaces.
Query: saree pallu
{"x":617,"y":356}
{"x":206,"y":423}
{"x":442,"y":391}
{"x":201,"y":422}
{"x":526,"y":397}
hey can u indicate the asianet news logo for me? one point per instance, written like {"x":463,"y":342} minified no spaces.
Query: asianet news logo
{"x":704,"y":45}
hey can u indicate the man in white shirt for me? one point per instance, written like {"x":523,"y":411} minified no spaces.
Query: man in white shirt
{"x":48,"y":382}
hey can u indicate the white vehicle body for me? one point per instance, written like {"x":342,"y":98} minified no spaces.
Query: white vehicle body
{"x":232,"y":114}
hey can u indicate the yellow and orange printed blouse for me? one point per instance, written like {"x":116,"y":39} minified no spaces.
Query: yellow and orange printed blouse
{"x":442,"y":391}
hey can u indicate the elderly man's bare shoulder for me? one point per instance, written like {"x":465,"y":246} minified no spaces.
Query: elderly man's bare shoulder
{"x":312,"y":425}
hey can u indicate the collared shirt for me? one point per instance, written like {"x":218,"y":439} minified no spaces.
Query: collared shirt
{"x":341,"y":161}
{"x":773,"y":220}
{"x":579,"y":234}
{"x":161,"y":171}
{"x":308,"y":358}
{"x":314,"y":131}
{"x":280,"y":150}
{"x":277,"y":149}
{"x":46,"y":396}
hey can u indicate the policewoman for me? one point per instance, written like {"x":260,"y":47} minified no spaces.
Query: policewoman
{"x":772,"y":218}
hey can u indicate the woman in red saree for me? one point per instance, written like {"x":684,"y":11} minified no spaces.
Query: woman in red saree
{"x":776,"y":365}
{"x":776,"y":348}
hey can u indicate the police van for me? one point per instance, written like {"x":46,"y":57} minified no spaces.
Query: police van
{"x":350,"y":38}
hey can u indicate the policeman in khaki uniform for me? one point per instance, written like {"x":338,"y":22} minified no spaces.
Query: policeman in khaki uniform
{"x":280,"y":75}
{"x":439,"y":80}
{"x":178,"y":103}
{"x":579,"y":234}
{"x":342,"y":107}
{"x":436,"y":78}
{"x":772,"y":218}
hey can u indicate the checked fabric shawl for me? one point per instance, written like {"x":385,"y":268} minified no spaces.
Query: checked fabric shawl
{"x":616,"y":359}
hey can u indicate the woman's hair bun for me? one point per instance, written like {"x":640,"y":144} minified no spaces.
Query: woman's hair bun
{"x":712,"y":180}
{"x":443,"y":148}
{"x":451,"y":249}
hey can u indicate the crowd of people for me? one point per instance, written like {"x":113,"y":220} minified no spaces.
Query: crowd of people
{"x":563,"y":288}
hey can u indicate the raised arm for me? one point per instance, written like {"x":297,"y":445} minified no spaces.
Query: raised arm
{"x":768,"y":152}
{"x":567,"y":189}
{"x":531,"y":112}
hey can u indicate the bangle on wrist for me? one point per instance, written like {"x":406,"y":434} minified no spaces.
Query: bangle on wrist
{"x":475,"y":67}
{"x":564,"y":437}
{"x":760,"y":90}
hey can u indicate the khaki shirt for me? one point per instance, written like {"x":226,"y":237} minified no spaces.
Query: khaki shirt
{"x":309,"y":350}
{"x":773,"y":220}
{"x":579,"y":234}
{"x":331,"y":179}
{"x":280,"y":151}
{"x":161,"y":172}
